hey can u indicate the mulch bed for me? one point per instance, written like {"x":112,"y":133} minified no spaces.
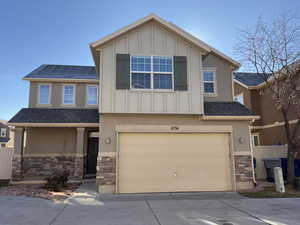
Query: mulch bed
{"x":38,"y":191}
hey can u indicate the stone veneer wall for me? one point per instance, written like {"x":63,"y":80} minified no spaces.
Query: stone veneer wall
{"x":42,"y":166}
{"x":106,"y":171}
{"x":243,"y":171}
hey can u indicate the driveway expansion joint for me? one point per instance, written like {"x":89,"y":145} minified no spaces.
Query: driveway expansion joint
{"x":243,"y":211}
{"x":58,"y":214}
{"x":153,"y":213}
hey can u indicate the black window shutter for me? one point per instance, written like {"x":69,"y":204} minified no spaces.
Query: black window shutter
{"x":180,"y":73}
{"x":123,"y":71}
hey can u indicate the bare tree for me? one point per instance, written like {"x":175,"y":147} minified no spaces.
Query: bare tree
{"x":272,"y":50}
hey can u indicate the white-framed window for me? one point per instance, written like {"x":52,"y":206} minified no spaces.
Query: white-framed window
{"x":239,"y":98}
{"x":44,"y":94}
{"x":69,"y":94}
{"x":3,"y":132}
{"x":92,"y":94}
{"x":209,"y":81}
{"x":255,"y":139}
{"x":151,"y":72}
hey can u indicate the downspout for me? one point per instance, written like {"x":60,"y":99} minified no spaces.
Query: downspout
{"x":22,"y":152}
{"x":252,"y":162}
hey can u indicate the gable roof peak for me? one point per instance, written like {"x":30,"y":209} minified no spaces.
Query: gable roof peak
{"x":197,"y":42}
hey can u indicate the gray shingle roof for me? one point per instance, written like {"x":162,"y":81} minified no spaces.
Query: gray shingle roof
{"x":250,"y":79}
{"x":63,"y":72}
{"x":42,"y":115}
{"x":4,"y":139}
{"x":226,"y":109}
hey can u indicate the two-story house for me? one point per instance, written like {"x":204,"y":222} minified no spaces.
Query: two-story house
{"x":156,"y":114}
{"x":250,"y":90}
{"x":4,"y":133}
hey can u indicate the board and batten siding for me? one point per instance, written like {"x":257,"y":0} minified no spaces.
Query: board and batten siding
{"x":150,"y":39}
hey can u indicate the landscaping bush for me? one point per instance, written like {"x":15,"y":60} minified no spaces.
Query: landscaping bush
{"x":58,"y":180}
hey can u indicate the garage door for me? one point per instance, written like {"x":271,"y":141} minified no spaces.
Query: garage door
{"x":173,"y":162}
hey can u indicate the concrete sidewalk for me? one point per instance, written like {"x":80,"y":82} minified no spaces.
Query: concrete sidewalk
{"x":87,"y":207}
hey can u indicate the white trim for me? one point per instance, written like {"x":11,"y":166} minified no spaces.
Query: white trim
{"x":229,"y":117}
{"x":240,"y":83}
{"x":275,"y":124}
{"x":214,"y":71}
{"x":54,"y":124}
{"x":152,"y":89}
{"x":61,"y":80}
{"x":95,"y":45}
{"x":171,"y":128}
{"x":74,"y":96}
{"x":87,"y":95}
{"x":49,"y":95}
{"x":151,"y":16}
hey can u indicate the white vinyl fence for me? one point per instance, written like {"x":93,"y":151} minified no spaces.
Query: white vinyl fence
{"x":267,"y":152}
{"x":6,"y":155}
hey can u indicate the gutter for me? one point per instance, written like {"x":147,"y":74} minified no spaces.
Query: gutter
{"x":54,"y":124}
{"x":205,"y":117}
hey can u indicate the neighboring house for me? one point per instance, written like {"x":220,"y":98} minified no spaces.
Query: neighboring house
{"x":4,"y":133}
{"x":165,"y":120}
{"x":250,"y":90}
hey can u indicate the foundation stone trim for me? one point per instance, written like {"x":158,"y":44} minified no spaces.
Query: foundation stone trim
{"x":243,"y":168}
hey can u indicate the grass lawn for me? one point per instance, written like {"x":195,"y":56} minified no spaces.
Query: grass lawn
{"x":270,"y":192}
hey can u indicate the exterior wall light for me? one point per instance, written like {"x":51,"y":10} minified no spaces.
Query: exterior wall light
{"x":241,"y":140}
{"x":107,"y":140}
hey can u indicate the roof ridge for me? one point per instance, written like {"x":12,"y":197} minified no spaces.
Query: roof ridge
{"x":68,"y":65}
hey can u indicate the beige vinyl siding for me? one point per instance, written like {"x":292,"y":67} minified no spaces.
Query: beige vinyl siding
{"x":56,"y":100}
{"x":150,"y":39}
{"x":223,"y":78}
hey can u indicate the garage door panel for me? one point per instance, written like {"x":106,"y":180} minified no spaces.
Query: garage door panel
{"x":168,"y":162}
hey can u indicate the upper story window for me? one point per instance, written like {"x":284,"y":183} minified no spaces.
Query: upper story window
{"x":209,"y":79}
{"x":69,"y":94}
{"x":152,"y":72}
{"x":44,"y":94}
{"x":3,"y":132}
{"x":239,"y":98}
{"x":92,"y":94}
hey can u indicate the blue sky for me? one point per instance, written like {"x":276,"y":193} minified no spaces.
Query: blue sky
{"x":59,"y":31}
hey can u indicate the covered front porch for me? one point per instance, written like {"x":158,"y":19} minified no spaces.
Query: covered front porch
{"x":41,"y":148}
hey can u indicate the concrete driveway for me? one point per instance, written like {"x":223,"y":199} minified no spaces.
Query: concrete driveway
{"x":87,"y":208}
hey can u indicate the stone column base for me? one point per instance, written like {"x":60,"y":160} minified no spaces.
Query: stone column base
{"x":106,"y":172}
{"x":16,"y":169}
{"x":243,"y":171}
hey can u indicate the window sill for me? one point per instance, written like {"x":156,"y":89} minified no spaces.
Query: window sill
{"x":153,"y":90}
{"x":92,"y":106}
{"x":43,"y":105}
{"x":68,"y":105}
{"x":210,"y":95}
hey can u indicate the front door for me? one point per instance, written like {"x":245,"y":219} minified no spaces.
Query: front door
{"x":92,"y":154}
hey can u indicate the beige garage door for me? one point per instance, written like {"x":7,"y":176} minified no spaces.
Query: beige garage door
{"x":172,"y":162}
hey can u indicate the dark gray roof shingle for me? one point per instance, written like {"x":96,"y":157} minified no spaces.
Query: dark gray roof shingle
{"x":42,"y":115}
{"x":4,"y":139}
{"x":251,"y":79}
{"x":63,"y":72}
{"x":226,"y":109}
